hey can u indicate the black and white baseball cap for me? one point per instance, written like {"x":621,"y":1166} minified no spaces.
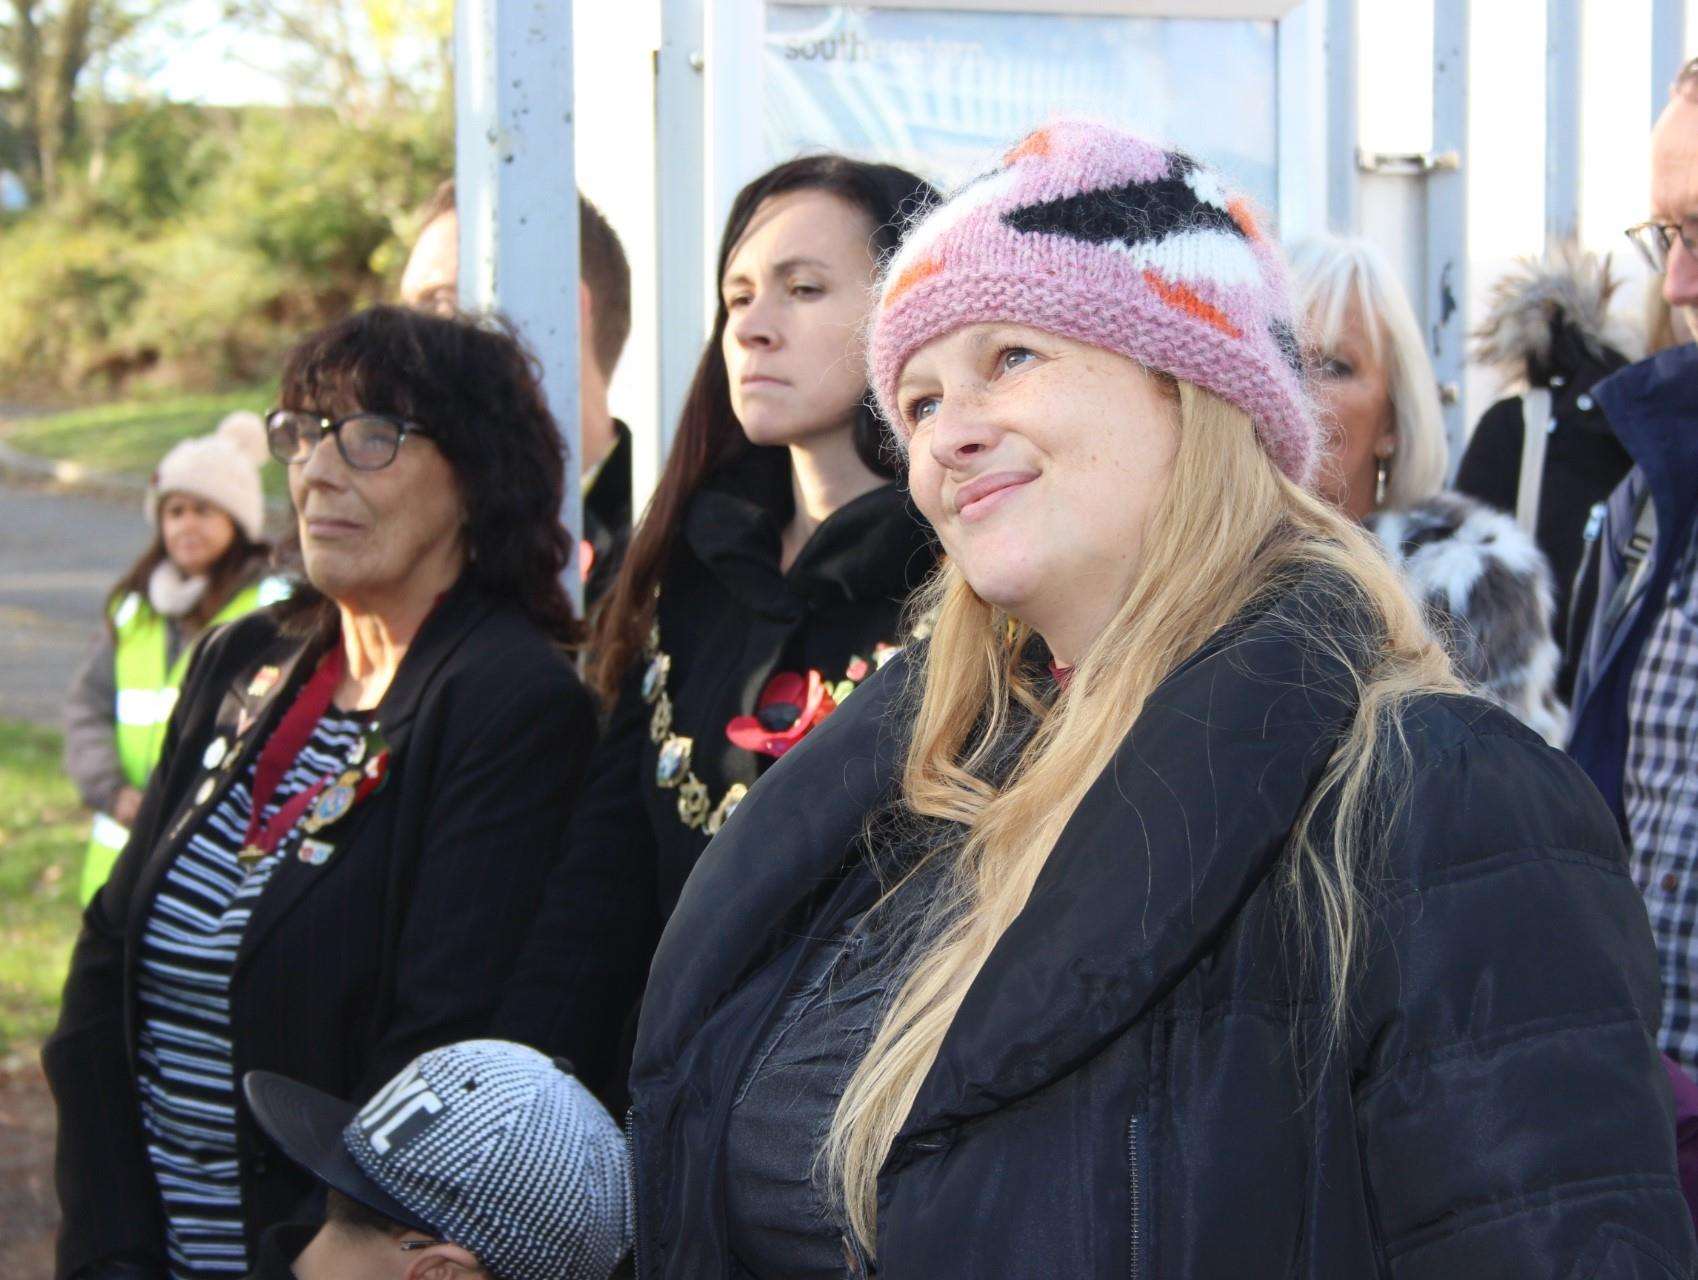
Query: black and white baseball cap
{"x":485,"y":1144}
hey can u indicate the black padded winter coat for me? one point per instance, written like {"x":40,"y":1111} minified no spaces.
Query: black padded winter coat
{"x":1129,"y":1087}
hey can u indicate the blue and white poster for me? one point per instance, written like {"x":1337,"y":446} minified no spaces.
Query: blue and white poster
{"x":942,"y":91}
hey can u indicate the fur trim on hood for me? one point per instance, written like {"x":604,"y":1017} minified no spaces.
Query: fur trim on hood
{"x":1486,"y":589}
{"x":1525,"y":307}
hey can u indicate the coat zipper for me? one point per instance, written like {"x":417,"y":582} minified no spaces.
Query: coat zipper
{"x":635,"y":1222}
{"x":1134,"y":1164}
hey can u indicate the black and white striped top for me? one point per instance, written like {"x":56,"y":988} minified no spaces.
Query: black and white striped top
{"x":188,"y":952}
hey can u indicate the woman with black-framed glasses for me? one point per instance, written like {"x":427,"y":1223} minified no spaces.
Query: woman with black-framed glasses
{"x":360,"y":794}
{"x":366,"y":441}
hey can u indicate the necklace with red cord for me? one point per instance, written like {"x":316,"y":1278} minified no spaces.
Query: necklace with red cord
{"x":279,"y":753}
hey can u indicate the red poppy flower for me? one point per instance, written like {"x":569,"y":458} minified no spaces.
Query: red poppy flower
{"x":788,"y":708}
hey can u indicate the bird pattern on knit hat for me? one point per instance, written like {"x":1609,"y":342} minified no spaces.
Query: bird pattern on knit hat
{"x":1097,"y":235}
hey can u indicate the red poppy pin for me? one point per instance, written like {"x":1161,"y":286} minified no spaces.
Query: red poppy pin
{"x":788,"y":708}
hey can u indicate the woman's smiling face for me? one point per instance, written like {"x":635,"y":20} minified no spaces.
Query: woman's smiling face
{"x":1039,"y":461}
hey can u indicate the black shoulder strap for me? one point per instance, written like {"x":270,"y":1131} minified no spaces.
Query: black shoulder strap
{"x":1583,"y":590}
{"x":1636,"y":560}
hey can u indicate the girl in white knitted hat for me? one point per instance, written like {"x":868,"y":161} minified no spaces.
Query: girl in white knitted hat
{"x":203,"y":565}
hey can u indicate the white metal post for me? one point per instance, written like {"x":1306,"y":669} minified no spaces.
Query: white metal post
{"x":681,"y":238}
{"x":517,"y":197}
{"x":1343,"y":196}
{"x":1564,"y":79}
{"x":735,"y":31}
{"x":1668,"y":50}
{"x":1445,"y":311}
{"x":1304,"y":175}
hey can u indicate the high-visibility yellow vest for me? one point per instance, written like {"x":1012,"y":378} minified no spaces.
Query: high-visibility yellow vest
{"x":147,"y":693}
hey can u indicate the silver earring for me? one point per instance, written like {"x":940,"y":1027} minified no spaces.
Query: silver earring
{"x":1382,"y":472}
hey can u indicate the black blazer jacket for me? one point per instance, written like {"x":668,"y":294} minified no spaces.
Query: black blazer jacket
{"x":402,"y":940}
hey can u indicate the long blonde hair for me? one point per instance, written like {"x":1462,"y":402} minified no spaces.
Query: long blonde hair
{"x":1230,"y":531}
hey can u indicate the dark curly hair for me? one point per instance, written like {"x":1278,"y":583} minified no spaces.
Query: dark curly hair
{"x":477,"y":390}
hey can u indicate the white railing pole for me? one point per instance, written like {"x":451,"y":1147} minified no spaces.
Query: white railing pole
{"x":681,"y":247}
{"x":1446,"y":308}
{"x":1564,"y":76}
{"x":517,"y":197}
{"x":1668,"y":50}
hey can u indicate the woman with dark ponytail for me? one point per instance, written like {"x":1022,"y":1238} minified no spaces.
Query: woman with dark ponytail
{"x":764,"y":582}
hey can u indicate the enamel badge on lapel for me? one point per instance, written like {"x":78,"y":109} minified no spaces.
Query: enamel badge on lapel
{"x":264,"y":681}
{"x":370,"y":755}
{"x":367,"y":768}
{"x":315,"y":853}
{"x":333,"y":802}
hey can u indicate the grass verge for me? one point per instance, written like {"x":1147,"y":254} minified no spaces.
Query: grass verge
{"x":130,"y":436}
{"x":42,"y":835}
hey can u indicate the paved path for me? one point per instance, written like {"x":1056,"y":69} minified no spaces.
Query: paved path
{"x":59,"y":555}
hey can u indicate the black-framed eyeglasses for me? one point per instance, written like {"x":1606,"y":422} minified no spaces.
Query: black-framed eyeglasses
{"x":411,"y":1246}
{"x":1656,"y":239}
{"x":366,"y":441}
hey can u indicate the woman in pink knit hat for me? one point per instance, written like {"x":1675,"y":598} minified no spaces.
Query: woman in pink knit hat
{"x":204,"y":564}
{"x":1172,"y":911}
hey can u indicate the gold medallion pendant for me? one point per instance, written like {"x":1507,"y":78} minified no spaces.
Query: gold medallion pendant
{"x":331,"y":803}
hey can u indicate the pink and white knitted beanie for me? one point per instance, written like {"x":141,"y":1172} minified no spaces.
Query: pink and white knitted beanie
{"x":1097,"y":235}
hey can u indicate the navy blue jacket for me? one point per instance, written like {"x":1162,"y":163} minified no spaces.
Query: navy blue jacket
{"x":1653,"y":409}
{"x":1129,"y":1087}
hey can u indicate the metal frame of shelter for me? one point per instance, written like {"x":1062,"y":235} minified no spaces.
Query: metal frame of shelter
{"x":708,"y":118}
{"x":517,"y":196}
{"x":514,"y":160}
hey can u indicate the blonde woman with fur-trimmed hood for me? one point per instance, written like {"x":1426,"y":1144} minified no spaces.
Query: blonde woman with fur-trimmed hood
{"x":1171,"y":911}
{"x":1486,"y":587}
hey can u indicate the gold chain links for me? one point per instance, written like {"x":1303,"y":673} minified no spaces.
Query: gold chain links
{"x":673,"y":771}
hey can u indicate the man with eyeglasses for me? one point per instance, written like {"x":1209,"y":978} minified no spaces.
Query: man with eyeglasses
{"x":482,"y":1160}
{"x":1635,"y":721}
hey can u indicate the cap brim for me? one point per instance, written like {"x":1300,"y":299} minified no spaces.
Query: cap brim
{"x":307,"y":1124}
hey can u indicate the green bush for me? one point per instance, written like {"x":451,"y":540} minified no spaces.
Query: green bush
{"x":211,"y":239}
{"x":156,"y":160}
{"x":67,"y":292}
